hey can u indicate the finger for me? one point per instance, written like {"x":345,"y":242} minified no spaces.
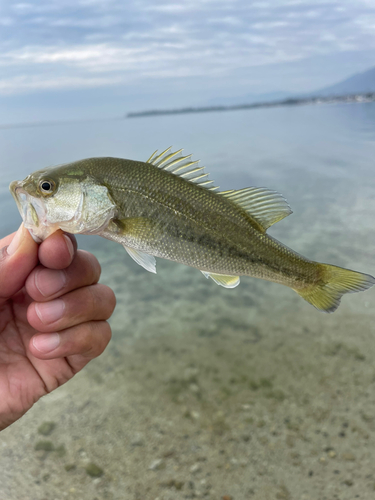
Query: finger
{"x":45,"y":284}
{"x":17,"y":259}
{"x":57,"y":251}
{"x":78,"y":344}
{"x":96,"y":302}
{"x":4,"y":242}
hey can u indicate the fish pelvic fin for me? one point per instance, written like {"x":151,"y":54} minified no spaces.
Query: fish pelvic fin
{"x":145,"y":260}
{"x":334,"y":283}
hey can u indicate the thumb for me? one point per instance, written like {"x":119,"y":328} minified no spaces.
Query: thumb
{"x":17,"y":260}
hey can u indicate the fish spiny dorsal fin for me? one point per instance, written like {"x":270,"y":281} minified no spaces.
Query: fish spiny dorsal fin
{"x":182,"y":166}
{"x":265,"y":206}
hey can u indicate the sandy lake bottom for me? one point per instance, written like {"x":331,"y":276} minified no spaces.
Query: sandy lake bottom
{"x":219,"y":394}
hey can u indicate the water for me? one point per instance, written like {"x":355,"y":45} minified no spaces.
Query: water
{"x":205,"y":391}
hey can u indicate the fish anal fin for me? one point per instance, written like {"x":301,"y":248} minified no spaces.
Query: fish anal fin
{"x":223,"y":280}
{"x":265,"y":206}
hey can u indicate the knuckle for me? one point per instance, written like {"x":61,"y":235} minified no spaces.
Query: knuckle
{"x":110,"y":299}
{"x":99,"y":336}
{"x":102,"y":301}
{"x":83,"y":339}
{"x":93,"y":265}
{"x":91,"y":302}
{"x":84,"y":270}
{"x":3,"y":254}
{"x":106,"y":335}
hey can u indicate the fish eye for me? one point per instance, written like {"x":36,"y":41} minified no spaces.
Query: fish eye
{"x":47,"y":186}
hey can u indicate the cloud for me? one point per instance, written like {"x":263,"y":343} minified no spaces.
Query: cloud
{"x":54,"y":44}
{"x":42,"y":83}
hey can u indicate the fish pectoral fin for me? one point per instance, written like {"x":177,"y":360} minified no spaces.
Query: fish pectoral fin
{"x":136,"y":226}
{"x":145,"y":260}
{"x":134,"y":230}
{"x":223,"y":280}
{"x":264,"y":205}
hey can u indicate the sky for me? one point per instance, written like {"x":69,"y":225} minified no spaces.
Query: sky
{"x":93,"y":58}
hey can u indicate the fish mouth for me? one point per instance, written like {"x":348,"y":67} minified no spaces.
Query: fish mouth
{"x":32,"y":210}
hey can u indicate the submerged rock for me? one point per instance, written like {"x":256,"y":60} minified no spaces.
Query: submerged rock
{"x":46,"y":428}
{"x":44,"y":445}
{"x":94,"y":470}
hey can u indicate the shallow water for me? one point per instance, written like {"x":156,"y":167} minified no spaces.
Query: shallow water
{"x":206,"y":392}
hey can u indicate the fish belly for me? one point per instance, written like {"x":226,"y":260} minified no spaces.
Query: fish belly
{"x":227,"y":252}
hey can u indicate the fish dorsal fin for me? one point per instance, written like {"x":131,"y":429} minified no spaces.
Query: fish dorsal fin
{"x":182,"y":166}
{"x":223,"y":280}
{"x":264,"y":205}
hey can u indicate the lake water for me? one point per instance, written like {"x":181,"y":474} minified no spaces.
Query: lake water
{"x":206,"y":392}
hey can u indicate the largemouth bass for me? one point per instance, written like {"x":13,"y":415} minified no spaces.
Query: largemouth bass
{"x":167,"y":207}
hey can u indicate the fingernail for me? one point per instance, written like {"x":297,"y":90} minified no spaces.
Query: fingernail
{"x":15,"y":243}
{"x":69,"y":244}
{"x":46,"y":342}
{"x":49,"y":312}
{"x":49,"y":281}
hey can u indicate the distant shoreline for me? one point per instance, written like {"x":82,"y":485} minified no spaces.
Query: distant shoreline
{"x":348,"y":98}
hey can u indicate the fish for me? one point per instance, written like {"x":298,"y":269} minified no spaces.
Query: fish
{"x":168,"y":207}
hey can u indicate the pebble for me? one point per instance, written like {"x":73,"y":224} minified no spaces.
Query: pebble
{"x":93,"y":470}
{"x":194,"y":388}
{"x":283,"y":494}
{"x":137,"y":440}
{"x":46,"y":428}
{"x":69,"y":467}
{"x":195,"y":468}
{"x":175,"y":483}
{"x":190,"y":374}
{"x":157,"y":464}
{"x":348,"y":457}
{"x":44,"y":445}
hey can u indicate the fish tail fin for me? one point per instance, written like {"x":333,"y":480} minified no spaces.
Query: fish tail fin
{"x":334,"y":282}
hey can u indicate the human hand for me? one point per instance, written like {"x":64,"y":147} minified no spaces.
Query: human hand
{"x":52,"y":317}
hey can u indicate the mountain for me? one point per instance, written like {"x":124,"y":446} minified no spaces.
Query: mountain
{"x":360,"y":83}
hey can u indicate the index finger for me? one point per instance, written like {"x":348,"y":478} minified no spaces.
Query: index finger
{"x":45,"y":284}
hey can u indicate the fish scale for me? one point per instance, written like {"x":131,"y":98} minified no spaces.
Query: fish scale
{"x":167,"y":207}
